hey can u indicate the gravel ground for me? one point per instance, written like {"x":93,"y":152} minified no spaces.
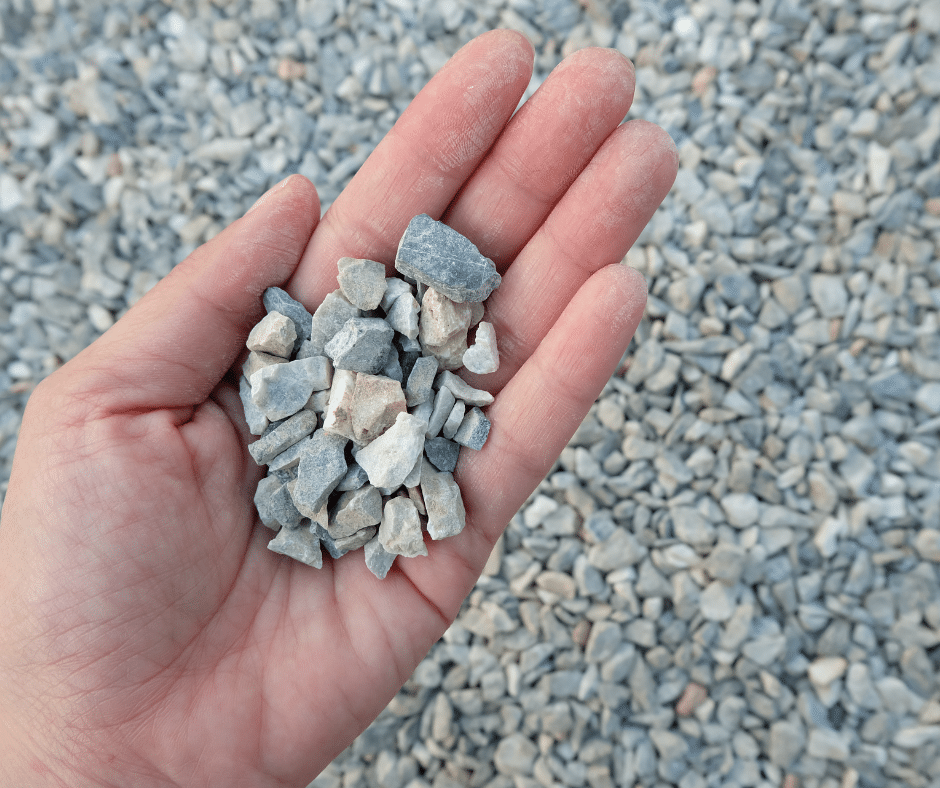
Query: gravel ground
{"x":731,"y":576}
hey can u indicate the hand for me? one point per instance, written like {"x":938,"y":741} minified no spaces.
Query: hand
{"x":147,"y":637}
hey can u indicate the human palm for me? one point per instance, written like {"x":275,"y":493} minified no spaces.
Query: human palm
{"x":146,"y":636}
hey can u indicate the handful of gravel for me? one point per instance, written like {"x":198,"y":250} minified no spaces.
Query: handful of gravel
{"x":360,"y":414}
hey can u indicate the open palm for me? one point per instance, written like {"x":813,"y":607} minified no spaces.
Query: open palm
{"x":146,"y":635}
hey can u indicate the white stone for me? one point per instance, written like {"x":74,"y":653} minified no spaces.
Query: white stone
{"x":389,"y":458}
{"x":274,"y":334}
{"x":822,"y":671}
{"x":337,"y":418}
{"x":482,"y":357}
{"x":400,"y":531}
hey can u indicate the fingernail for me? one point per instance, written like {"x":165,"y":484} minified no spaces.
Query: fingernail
{"x":268,"y":193}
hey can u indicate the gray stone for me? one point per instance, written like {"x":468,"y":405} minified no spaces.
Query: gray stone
{"x":395,"y":287}
{"x":354,"y":479}
{"x":927,"y":544}
{"x":691,"y":527}
{"x":515,"y":755}
{"x":329,"y":318}
{"x":474,"y":430}
{"x":403,"y":315}
{"x":684,"y":294}
{"x":785,"y":743}
{"x":737,"y":289}
{"x":362,"y":282}
{"x":256,"y":361}
{"x":327,"y":541}
{"x":289,"y":458}
{"x":354,"y":541}
{"x":444,"y":504}
{"x":443,"y":405}
{"x":420,"y":381}
{"x":927,"y":398}
{"x":282,"y":436}
{"x":361,"y":345}
{"x":277,"y":300}
{"x":400,"y":531}
{"x":717,"y":602}
{"x":741,"y":509}
{"x":829,"y":294}
{"x":454,"y":420}
{"x":300,"y":544}
{"x":463,"y":390}
{"x":432,"y":253}
{"x":256,"y":420}
{"x":275,"y":334}
{"x":280,"y":390}
{"x":378,"y":560}
{"x":726,"y":563}
{"x":620,"y":550}
{"x":275,"y":507}
{"x":321,"y":469}
{"x":355,"y":510}
{"x":442,"y":453}
{"x":389,"y":458}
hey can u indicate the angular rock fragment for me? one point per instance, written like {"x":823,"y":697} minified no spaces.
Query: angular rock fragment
{"x":423,"y":411}
{"x":420,"y":381}
{"x":391,"y":456}
{"x":444,"y":504}
{"x":403,"y":315}
{"x":329,"y":318}
{"x":443,"y":405}
{"x":482,"y":358}
{"x":322,"y":466}
{"x":274,"y":334}
{"x":454,"y":420}
{"x":413,"y":479}
{"x":392,"y":368}
{"x":442,"y":453}
{"x":440,"y":257}
{"x":354,"y":479}
{"x":377,"y":401}
{"x":361,"y":345}
{"x":414,"y":493}
{"x":289,"y":458}
{"x":362,"y":282}
{"x":326,"y":540}
{"x":395,"y":287}
{"x":354,"y":511}
{"x":337,"y":418}
{"x":356,"y":540}
{"x":318,"y":401}
{"x":257,"y":422}
{"x":400,"y":531}
{"x":274,"y":504}
{"x":477,"y":310}
{"x":276,"y":300}
{"x":256,"y":361}
{"x":281,"y":390}
{"x":298,"y":543}
{"x":443,"y":329}
{"x":463,"y":390}
{"x":378,"y":560}
{"x":473,"y":430}
{"x":283,"y":436}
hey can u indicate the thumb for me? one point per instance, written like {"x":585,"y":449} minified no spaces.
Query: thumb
{"x":172,"y":348}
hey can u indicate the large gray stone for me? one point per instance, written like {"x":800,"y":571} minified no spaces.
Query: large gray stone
{"x":432,"y":253}
{"x":280,"y":390}
{"x":444,"y":504}
{"x":276,"y":300}
{"x":322,"y":467}
{"x":282,"y":436}
{"x":361,"y":345}
{"x":329,"y":318}
{"x":442,"y":453}
{"x":300,"y":544}
{"x":400,"y":531}
{"x":389,"y":458}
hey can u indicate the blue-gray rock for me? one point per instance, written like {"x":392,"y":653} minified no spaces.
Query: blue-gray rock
{"x":473,"y":430}
{"x":277,"y":300}
{"x":257,"y":422}
{"x":289,"y":458}
{"x":378,"y":560}
{"x":418,"y":388}
{"x":281,"y":390}
{"x":354,"y":479}
{"x":327,"y":541}
{"x":361,"y":345}
{"x":442,"y":453}
{"x":283,"y":436}
{"x":737,"y":289}
{"x":274,"y":504}
{"x":329,"y":318}
{"x":321,"y":469}
{"x":443,"y":405}
{"x":355,"y":510}
{"x":298,"y":543}
{"x":432,"y":253}
{"x":355,"y":541}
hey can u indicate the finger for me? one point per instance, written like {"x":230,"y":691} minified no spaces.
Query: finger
{"x":543,"y":149}
{"x":423,"y":160}
{"x":172,"y":348}
{"x":533,"y":418}
{"x":592,"y":226}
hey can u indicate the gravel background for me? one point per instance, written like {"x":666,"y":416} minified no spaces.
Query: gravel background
{"x":731,"y":577}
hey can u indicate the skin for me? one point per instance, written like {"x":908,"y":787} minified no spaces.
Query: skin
{"x":147,"y":637}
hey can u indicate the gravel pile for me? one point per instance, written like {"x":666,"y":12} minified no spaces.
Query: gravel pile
{"x":731,"y":576}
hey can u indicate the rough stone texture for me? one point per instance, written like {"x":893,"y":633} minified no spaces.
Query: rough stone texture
{"x":361,"y":345}
{"x":356,"y":540}
{"x":378,"y":559}
{"x":354,"y":478}
{"x":256,"y":361}
{"x":282,"y":436}
{"x":277,"y":300}
{"x":275,"y":507}
{"x":420,"y":381}
{"x":337,"y":418}
{"x":454,"y":420}
{"x":482,"y":357}
{"x":355,"y":510}
{"x":289,"y":458}
{"x":321,"y":468}
{"x":434,"y":254}
{"x":256,"y":420}
{"x":474,"y":430}
{"x":443,"y":404}
{"x":400,"y":531}
{"x":395,"y":287}
{"x":274,"y":334}
{"x":377,"y":401}
{"x":442,"y":453}
{"x":389,"y":458}
{"x":329,"y":318}
{"x":362,"y":282}
{"x":300,"y":544}
{"x":403,"y":315}
{"x":442,"y":319}
{"x":444,"y":504}
{"x":280,"y":390}
{"x":464,"y":391}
